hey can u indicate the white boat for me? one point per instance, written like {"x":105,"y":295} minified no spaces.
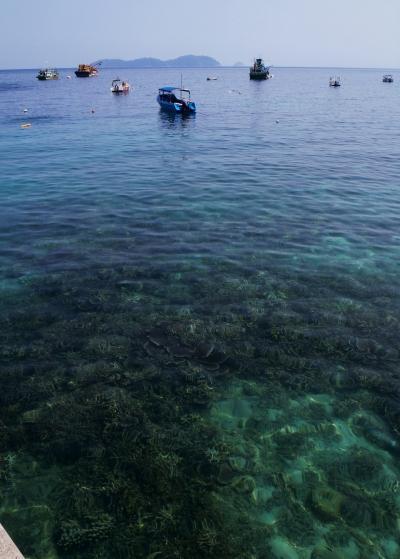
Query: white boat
{"x":211,"y":78}
{"x":119,"y":86}
{"x":48,"y":74}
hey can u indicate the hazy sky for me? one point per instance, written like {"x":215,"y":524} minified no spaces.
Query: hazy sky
{"x":285,"y":32}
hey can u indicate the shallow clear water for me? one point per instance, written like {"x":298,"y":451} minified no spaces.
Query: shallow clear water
{"x":200,"y":317}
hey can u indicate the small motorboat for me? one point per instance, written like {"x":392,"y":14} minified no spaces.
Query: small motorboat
{"x":119,"y":86}
{"x":335,"y":82}
{"x":211,"y":78}
{"x":176,"y":99}
{"x":259,"y":71}
{"x":48,"y":74}
{"x":387,"y":78}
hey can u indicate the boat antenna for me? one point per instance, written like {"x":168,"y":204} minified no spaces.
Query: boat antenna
{"x":181,"y":81}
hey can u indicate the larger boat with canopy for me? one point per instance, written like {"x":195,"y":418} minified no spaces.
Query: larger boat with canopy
{"x":259,"y":71}
{"x":176,"y":99}
{"x":86,"y":71}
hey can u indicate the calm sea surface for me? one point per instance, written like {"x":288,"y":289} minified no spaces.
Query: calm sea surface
{"x":200,"y":317}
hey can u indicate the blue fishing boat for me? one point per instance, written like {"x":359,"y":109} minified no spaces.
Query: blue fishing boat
{"x":176,"y":99}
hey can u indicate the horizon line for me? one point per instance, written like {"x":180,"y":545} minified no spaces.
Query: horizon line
{"x":232,"y":66}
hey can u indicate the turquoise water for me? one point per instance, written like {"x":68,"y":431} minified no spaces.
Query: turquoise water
{"x":200,"y":317}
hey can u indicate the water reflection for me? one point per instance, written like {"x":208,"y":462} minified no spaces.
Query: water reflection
{"x":169,"y":120}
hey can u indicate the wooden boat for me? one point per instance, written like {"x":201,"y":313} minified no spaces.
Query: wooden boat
{"x":387,"y":78}
{"x":259,"y":71}
{"x":119,"y":86}
{"x":335,"y":82}
{"x":86,"y":71}
{"x":176,"y":100}
{"x":47,"y":74}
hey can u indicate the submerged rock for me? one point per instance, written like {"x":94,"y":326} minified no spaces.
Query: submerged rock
{"x":282,"y":549}
{"x":225,"y":474}
{"x":375,"y":432}
{"x":244,"y":484}
{"x":326,"y":502}
{"x":343,"y":379}
{"x":237,"y":463}
{"x":321,"y":552}
{"x":31,"y":416}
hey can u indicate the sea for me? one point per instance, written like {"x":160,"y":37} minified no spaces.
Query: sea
{"x":200,"y":316}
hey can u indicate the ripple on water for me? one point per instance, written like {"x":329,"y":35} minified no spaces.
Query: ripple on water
{"x":200,"y":318}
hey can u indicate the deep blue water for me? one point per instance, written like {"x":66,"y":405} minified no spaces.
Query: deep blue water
{"x":213,"y":300}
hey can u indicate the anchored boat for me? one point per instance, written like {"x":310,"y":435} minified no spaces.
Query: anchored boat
{"x":335,"y":82}
{"x":119,"y":86}
{"x":387,"y":78}
{"x":86,"y":71}
{"x":259,"y":71}
{"x":47,"y":74}
{"x":176,"y":100}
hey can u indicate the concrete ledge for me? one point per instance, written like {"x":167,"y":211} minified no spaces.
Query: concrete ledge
{"x":8,"y":550}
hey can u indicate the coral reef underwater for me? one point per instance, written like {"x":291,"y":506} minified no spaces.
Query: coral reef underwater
{"x":164,"y":414}
{"x":133,"y":425}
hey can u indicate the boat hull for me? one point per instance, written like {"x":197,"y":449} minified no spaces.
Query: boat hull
{"x":47,"y":75}
{"x":80,"y":74}
{"x":177,"y":108}
{"x":259,"y":75}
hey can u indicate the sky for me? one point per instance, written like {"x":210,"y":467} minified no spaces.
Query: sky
{"x":64,"y":33}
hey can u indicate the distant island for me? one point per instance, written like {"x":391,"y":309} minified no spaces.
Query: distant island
{"x":188,"y":61}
